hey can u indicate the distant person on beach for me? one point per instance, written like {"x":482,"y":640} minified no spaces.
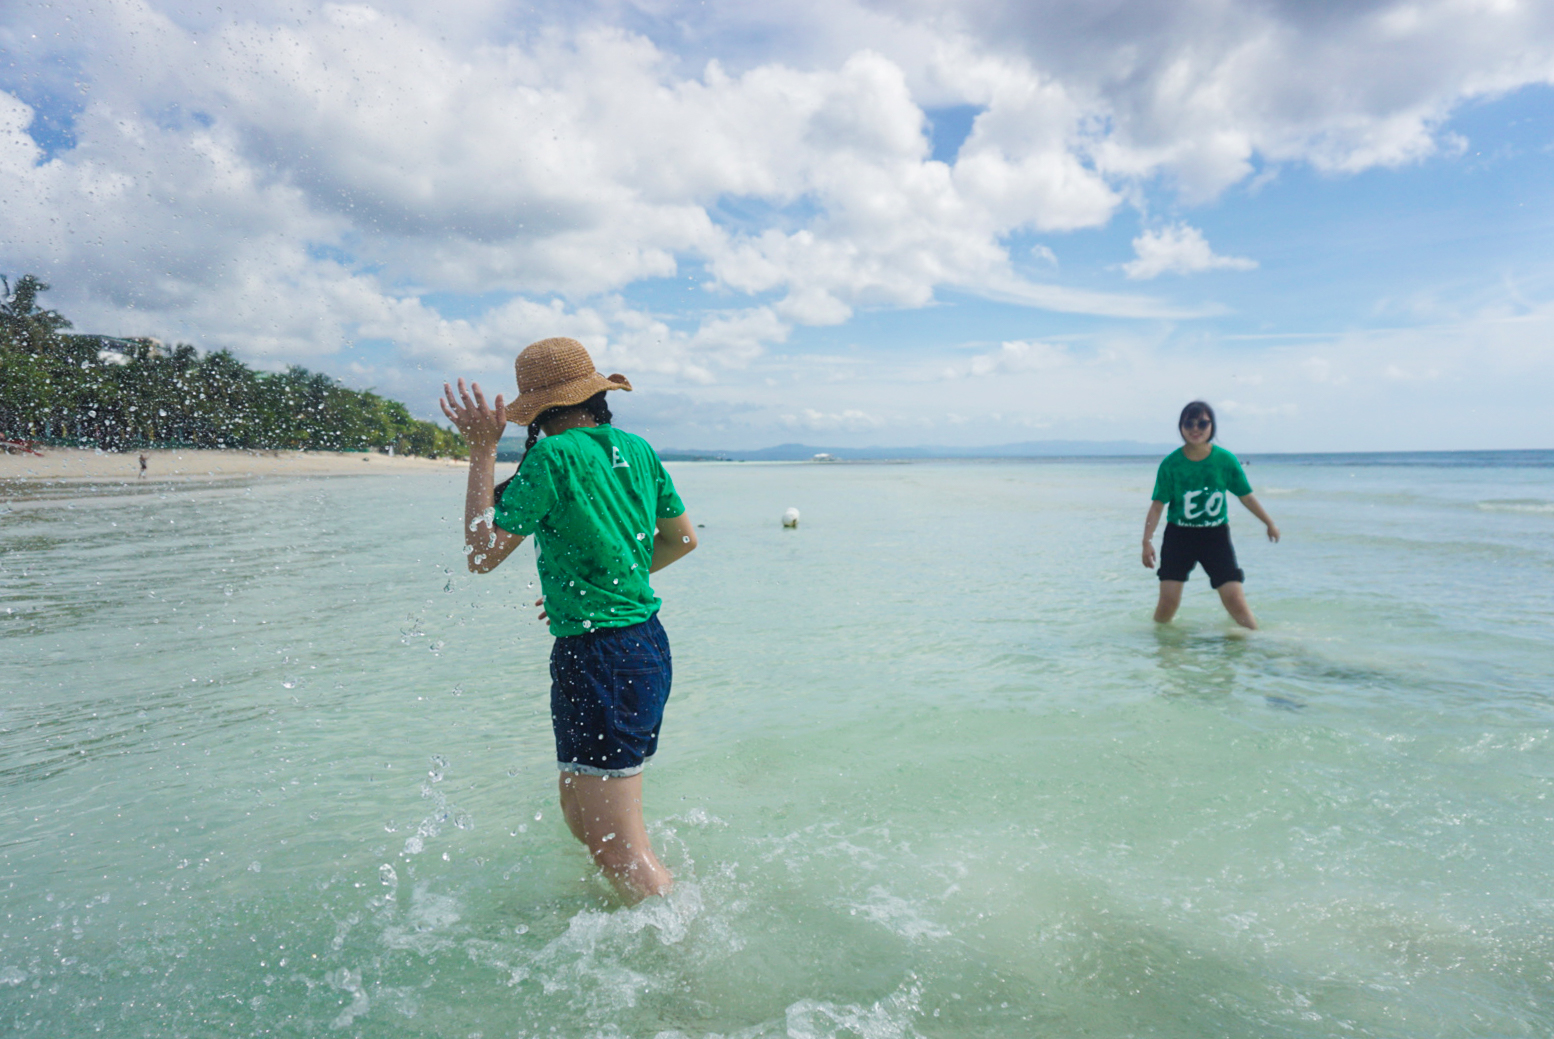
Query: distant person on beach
{"x":604,"y":514}
{"x":1193,"y":487}
{"x":142,"y":463}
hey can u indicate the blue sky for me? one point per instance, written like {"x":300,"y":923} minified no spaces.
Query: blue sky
{"x":843,"y":223}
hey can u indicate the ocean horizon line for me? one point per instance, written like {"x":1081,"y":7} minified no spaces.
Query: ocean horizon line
{"x":1058,"y":450}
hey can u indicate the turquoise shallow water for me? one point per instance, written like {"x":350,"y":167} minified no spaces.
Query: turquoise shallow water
{"x":271,"y":763}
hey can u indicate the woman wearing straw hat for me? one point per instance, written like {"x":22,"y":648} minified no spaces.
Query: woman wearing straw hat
{"x":604,"y":514}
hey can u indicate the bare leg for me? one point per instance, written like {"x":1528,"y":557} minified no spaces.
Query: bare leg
{"x":605,"y":813}
{"x":569,"y":806}
{"x":1170,"y":599}
{"x":1234,"y":598}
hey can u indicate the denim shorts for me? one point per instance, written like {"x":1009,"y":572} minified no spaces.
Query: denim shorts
{"x":607,"y":693}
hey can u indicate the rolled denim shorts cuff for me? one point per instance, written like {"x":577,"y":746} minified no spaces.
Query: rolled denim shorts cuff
{"x":609,"y":773}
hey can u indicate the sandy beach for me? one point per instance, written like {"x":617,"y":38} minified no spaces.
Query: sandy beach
{"x":65,"y":468}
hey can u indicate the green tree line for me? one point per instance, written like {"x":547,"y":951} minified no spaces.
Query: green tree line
{"x":91,"y":390}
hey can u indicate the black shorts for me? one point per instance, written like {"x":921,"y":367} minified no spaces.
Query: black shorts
{"x":1183,"y":548}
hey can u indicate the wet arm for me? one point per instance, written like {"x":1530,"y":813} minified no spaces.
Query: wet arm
{"x":1151,"y":521}
{"x":485,"y":544}
{"x":1256,"y":508}
{"x":674,"y":539}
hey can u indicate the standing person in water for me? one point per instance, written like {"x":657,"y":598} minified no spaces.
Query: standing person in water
{"x":604,"y":514}
{"x":1193,"y":487}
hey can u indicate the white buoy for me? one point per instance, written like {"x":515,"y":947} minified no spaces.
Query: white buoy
{"x":790,"y":518}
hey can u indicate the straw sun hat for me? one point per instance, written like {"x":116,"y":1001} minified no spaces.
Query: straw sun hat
{"x":554,"y":373}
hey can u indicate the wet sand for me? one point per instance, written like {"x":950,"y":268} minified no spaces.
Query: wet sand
{"x":81,"y":470}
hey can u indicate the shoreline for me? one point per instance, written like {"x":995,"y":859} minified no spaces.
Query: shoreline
{"x":84,"y":469}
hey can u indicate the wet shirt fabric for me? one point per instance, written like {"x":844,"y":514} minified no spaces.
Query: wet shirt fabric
{"x":591,"y":496}
{"x":1197,"y":494}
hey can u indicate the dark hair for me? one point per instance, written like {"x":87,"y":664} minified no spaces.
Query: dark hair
{"x":1199,"y":409}
{"x":596,"y":408}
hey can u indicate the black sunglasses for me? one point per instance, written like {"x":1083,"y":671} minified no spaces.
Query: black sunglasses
{"x":1199,"y":424}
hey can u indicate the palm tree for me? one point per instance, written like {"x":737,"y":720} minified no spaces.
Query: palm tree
{"x":23,"y":324}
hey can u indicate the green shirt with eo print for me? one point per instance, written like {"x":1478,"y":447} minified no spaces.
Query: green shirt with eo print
{"x":1197,"y":494}
{"x":591,"y":496}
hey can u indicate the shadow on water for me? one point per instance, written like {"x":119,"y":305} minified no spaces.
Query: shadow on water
{"x":1287,"y":673}
{"x":1197,"y":666}
{"x":42,"y":741}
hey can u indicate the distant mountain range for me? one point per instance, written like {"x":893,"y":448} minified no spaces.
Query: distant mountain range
{"x":511,"y":450}
{"x":1026,"y":449}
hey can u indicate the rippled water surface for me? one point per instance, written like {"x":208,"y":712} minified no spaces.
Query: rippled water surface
{"x":272,"y":763}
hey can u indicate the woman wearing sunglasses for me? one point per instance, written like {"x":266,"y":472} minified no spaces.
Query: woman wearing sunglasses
{"x":1193,"y":487}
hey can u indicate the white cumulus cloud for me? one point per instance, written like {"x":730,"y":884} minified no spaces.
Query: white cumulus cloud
{"x":1178,"y":249}
{"x":1018,"y":356}
{"x":848,"y":419}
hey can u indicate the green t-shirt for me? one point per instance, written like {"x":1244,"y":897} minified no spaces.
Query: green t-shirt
{"x":591,"y":496}
{"x":1198,"y":493}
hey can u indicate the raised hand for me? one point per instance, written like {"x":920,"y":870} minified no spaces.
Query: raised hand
{"x":481,"y":424}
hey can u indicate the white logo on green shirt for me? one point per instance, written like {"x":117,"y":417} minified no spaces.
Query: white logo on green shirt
{"x":1211,"y":508}
{"x":620,"y":463}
